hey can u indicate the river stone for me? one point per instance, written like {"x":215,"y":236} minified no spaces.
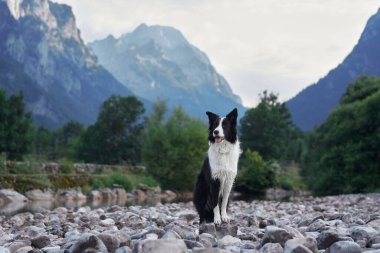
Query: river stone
{"x":26,"y":249}
{"x":171,"y":235}
{"x":207,"y":240}
{"x":162,"y":246}
{"x":297,"y":245}
{"x":275,"y":235}
{"x":14,"y":246}
{"x":271,"y":248}
{"x":88,"y":242}
{"x":326,"y":238}
{"x":124,"y":249}
{"x":228,"y":241}
{"x":208,"y":228}
{"x":11,"y":196}
{"x":4,"y":250}
{"x":226,"y":229}
{"x":41,"y":241}
{"x":54,"y":249}
{"x":38,"y":195}
{"x":111,"y":242}
{"x":210,"y":250}
{"x":362,"y":233}
{"x":344,"y":247}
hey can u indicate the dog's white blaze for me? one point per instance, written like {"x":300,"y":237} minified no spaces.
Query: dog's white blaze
{"x":220,"y":128}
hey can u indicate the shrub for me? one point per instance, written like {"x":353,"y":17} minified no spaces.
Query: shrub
{"x":110,"y":180}
{"x":255,"y":174}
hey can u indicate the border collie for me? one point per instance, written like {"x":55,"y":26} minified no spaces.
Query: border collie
{"x":219,"y":169}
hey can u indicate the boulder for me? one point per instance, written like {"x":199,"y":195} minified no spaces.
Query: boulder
{"x":344,"y":247}
{"x":162,"y":246}
{"x":38,"y":195}
{"x":275,"y":235}
{"x":11,"y":196}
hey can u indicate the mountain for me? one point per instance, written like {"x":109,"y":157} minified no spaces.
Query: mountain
{"x":42,"y":54}
{"x":158,"y":62}
{"x":311,"y":106}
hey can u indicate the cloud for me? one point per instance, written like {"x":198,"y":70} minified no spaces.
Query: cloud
{"x":276,"y":45}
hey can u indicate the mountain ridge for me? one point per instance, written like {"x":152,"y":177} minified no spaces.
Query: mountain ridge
{"x":43,"y":54}
{"x":158,"y":61}
{"x":311,"y":106}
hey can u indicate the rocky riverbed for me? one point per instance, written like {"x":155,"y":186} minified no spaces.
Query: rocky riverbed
{"x":339,"y":224}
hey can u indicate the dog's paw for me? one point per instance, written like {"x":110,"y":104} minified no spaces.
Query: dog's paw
{"x":225,"y":218}
{"x":217,"y":220}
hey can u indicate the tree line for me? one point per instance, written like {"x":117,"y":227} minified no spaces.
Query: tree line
{"x":340,"y":156}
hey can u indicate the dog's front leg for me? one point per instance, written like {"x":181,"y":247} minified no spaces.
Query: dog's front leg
{"x":217,"y":219}
{"x":226,"y":194}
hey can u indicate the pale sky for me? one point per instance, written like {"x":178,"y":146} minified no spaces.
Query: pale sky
{"x":276,"y":45}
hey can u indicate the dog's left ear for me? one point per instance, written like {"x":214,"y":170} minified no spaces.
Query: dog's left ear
{"x":233,"y":115}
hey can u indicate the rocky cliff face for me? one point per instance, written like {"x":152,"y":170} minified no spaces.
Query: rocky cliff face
{"x":158,"y":61}
{"x":43,"y":55}
{"x":312,"y":105}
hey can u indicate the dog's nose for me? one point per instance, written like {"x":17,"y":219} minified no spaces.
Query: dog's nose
{"x":216,"y":132}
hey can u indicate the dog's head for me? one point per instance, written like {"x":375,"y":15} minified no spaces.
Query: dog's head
{"x":222,"y":128}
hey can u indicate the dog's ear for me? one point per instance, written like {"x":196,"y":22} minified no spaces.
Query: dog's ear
{"x":233,"y":114}
{"x":212,"y":117}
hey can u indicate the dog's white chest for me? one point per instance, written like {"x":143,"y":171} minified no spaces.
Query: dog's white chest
{"x":224,"y":159}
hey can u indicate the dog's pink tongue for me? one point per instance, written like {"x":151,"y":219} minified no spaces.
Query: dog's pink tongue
{"x":218,"y":139}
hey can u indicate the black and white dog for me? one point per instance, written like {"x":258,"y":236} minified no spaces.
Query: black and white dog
{"x":219,"y":169}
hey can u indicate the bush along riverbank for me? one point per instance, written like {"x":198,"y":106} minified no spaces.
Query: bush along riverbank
{"x":338,"y":224}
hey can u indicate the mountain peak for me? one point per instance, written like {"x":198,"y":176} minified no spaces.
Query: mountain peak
{"x":164,"y":36}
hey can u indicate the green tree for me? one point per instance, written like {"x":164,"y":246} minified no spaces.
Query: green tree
{"x":255,"y":174}
{"x":174,"y":150}
{"x":344,"y":152}
{"x":15,"y":123}
{"x":268,"y":129}
{"x":115,"y":137}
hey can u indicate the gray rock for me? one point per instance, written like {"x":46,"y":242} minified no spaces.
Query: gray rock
{"x":298,"y":245}
{"x":309,"y":219}
{"x":317,"y":226}
{"x":271,"y":248}
{"x":107,"y":222}
{"x":207,"y":240}
{"x":25,"y":249}
{"x":88,"y":242}
{"x":171,"y":235}
{"x":124,"y":249}
{"x":11,"y":196}
{"x":41,"y":241}
{"x":162,"y":246}
{"x":344,"y":247}
{"x":208,"y":228}
{"x":210,"y":250}
{"x":54,"y":249}
{"x":275,"y":235}
{"x":15,"y":245}
{"x":193,"y":244}
{"x":38,"y":195}
{"x":374,"y":240}
{"x":226,"y":229}
{"x":111,"y":242}
{"x":362,"y":233}
{"x":371,"y":251}
{"x":326,"y":238}
{"x":228,"y":241}
{"x":4,"y":250}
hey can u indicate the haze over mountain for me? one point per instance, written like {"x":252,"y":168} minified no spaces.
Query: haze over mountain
{"x":158,"y":62}
{"x":312,"y":105}
{"x":42,"y":54}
